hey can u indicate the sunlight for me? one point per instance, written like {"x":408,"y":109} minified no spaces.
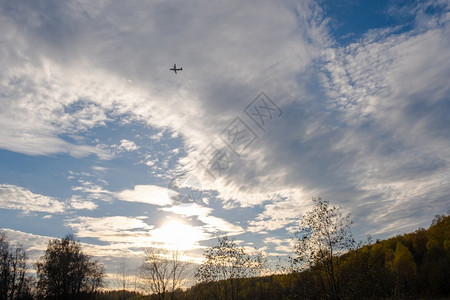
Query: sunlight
{"x":176,"y":235}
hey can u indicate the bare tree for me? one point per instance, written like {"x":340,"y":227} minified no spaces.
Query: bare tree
{"x":122,"y":279}
{"x":14,"y":284}
{"x":163,"y":271}
{"x":325,"y":235}
{"x":178,"y":271}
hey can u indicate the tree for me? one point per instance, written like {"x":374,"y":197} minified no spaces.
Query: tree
{"x":14,"y":284}
{"x":163,"y":272}
{"x":227,"y":262}
{"x":65,"y":272}
{"x":433,"y":274}
{"x":325,"y":235}
{"x":122,"y":278}
{"x":405,"y":269}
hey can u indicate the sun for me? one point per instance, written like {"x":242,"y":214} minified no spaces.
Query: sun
{"x":177,"y":235}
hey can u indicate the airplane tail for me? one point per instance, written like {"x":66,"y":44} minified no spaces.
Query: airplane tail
{"x":181,"y":69}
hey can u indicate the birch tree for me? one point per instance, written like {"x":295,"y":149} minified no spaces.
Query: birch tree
{"x":324,"y":235}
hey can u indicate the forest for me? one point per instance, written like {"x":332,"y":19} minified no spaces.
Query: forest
{"x":326,"y":263}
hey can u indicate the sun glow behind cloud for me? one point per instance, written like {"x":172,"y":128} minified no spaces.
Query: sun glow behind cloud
{"x":177,"y":235}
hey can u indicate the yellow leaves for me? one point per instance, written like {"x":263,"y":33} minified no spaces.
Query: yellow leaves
{"x":389,"y":259}
{"x":433,"y":244}
{"x":446,"y":245}
{"x":403,"y":261}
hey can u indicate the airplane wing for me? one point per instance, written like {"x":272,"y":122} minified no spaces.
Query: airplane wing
{"x":175,"y":68}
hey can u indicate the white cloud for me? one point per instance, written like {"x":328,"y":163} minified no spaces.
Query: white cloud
{"x":19,"y":198}
{"x":133,"y":232}
{"x":99,"y":168}
{"x":215,"y":224}
{"x":126,"y":145}
{"x":286,"y":246}
{"x":77,"y":202}
{"x":189,"y":210}
{"x":278,"y":214}
{"x":150,"y":194}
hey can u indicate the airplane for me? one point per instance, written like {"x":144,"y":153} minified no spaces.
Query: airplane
{"x":175,"y":68}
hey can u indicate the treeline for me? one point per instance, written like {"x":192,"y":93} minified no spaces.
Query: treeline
{"x":119,"y":295}
{"x":414,"y":265}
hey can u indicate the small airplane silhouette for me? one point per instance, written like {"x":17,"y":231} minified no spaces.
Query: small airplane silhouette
{"x":175,"y":68}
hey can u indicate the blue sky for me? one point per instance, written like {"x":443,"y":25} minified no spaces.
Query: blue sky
{"x":277,"y":102}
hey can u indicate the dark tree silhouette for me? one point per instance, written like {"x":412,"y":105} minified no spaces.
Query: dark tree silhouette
{"x":14,"y":284}
{"x":65,"y":272}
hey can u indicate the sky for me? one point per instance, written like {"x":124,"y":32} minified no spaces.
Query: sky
{"x":277,"y":102}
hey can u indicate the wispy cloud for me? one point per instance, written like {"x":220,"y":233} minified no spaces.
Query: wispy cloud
{"x":92,"y":190}
{"x":392,"y":94}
